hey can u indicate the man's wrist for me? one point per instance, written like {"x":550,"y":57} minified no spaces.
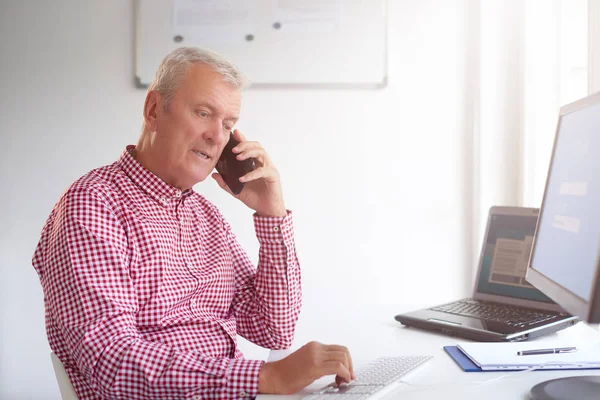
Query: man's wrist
{"x":266,"y":379}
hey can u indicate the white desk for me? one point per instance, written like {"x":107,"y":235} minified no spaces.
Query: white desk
{"x":371,"y":331}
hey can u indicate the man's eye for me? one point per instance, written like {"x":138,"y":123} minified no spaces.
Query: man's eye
{"x":228,"y":128}
{"x":202,"y":114}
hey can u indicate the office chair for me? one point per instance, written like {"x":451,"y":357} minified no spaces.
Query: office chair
{"x":64,"y":384}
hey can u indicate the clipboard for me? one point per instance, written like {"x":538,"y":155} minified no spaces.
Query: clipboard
{"x":468,"y":366}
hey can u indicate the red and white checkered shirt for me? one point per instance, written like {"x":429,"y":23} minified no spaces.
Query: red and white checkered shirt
{"x":146,"y":288}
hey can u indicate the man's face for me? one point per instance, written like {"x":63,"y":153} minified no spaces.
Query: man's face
{"x":192,"y":133}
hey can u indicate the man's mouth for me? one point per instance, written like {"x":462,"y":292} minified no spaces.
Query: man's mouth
{"x":201,"y":154}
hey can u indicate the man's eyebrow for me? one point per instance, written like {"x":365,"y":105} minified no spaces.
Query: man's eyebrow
{"x":232,"y":118}
{"x":204,"y":104}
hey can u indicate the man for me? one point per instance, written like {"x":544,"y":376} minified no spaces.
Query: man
{"x":145,"y":285}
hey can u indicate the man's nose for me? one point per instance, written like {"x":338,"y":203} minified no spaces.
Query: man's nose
{"x":216,"y":133}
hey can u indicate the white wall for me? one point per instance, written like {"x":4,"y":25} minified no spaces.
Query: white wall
{"x":378,"y":179}
{"x":594,"y":46}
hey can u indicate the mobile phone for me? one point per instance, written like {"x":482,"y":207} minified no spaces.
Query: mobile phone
{"x":231,"y":169}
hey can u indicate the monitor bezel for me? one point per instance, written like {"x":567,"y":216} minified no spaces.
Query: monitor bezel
{"x":588,"y":311}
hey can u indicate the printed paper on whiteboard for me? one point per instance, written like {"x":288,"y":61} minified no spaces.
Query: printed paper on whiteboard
{"x":198,"y":22}
{"x":307,"y":16}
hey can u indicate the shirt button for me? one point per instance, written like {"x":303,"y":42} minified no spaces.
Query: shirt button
{"x":193,"y":303}
{"x":275,"y":229}
{"x":164,"y":200}
{"x":243,"y":394}
{"x":197,"y":397}
{"x":178,"y":194}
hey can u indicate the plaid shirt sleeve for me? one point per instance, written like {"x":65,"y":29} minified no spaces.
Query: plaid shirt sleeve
{"x":84,"y":272}
{"x":268,"y":297}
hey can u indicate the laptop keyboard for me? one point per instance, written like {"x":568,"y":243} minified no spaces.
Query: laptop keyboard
{"x":515,"y":316}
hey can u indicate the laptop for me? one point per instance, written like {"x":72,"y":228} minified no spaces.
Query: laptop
{"x":504,"y":307}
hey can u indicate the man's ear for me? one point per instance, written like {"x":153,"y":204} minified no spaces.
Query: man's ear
{"x":150,"y":109}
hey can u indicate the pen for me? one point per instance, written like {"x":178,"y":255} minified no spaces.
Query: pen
{"x":557,"y":350}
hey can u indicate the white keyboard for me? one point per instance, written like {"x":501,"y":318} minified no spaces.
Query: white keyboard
{"x":373,"y":381}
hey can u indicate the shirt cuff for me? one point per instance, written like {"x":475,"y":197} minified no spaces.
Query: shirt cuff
{"x":242,"y":378}
{"x":274,"y":229}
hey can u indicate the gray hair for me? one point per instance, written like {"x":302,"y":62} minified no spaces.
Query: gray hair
{"x":176,"y":64}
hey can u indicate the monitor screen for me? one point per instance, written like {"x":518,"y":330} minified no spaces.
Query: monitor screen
{"x":567,"y":241}
{"x":505,"y":256}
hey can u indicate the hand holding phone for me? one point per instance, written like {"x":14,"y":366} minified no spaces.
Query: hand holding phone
{"x":231,"y":169}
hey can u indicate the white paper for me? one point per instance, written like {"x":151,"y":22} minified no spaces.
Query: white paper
{"x":307,"y":16}
{"x":212,"y":21}
{"x":504,"y":355}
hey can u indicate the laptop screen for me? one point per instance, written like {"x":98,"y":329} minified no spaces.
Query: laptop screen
{"x":505,"y":258}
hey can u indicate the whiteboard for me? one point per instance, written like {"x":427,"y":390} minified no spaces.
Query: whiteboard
{"x":274,"y":42}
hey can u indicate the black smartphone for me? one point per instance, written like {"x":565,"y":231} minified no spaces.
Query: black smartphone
{"x":231,"y":169}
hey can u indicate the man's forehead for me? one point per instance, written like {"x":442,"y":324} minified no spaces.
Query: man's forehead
{"x":211,"y":91}
{"x":202,"y":74}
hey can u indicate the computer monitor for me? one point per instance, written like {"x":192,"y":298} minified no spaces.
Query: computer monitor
{"x":565,"y":256}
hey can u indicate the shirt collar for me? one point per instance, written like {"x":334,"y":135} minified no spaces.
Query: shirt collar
{"x":156,"y":188}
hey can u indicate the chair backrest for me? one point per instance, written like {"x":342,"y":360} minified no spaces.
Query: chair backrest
{"x":64,"y":383}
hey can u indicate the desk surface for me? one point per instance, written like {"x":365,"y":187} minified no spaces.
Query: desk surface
{"x":370,"y":332}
